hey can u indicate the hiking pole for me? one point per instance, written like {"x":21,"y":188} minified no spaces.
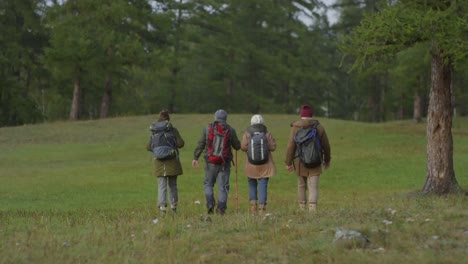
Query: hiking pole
{"x":237,"y":188}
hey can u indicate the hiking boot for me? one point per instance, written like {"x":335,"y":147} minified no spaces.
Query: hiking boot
{"x":261,"y":209}
{"x":174,"y":209}
{"x":253,"y":206}
{"x":220,"y":211}
{"x":162,"y":210}
{"x":302,"y":206}
{"x":210,"y":211}
{"x":312,"y":207}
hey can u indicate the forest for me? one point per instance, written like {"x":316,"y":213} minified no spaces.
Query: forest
{"x":88,"y":59}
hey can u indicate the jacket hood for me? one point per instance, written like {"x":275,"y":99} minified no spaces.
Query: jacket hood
{"x":304,"y":122}
{"x":159,"y":126}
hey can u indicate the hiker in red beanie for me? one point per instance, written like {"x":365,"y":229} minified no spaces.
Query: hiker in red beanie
{"x":307,"y":135}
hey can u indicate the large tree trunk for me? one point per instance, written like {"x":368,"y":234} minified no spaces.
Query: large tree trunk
{"x":75,"y":106}
{"x":106,"y":98}
{"x":440,"y":173}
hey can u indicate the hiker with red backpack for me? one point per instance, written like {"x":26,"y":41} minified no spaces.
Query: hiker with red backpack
{"x":258,"y":143}
{"x":216,"y":141}
{"x":307,"y":152}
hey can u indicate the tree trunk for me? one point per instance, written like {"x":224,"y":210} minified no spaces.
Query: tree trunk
{"x":374,"y":100}
{"x":172,"y":88}
{"x":440,"y":173}
{"x":417,"y":108}
{"x":401,"y":108}
{"x":75,"y":106}
{"x":106,"y":98}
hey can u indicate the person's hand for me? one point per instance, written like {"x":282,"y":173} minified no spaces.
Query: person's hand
{"x":195,"y":163}
{"x":326,"y":165}
{"x":289,"y":168}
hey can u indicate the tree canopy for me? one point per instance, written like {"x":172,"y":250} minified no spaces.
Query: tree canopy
{"x":93,"y":59}
{"x":443,"y":26}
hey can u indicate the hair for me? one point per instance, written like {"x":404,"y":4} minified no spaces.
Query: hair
{"x":164,"y":115}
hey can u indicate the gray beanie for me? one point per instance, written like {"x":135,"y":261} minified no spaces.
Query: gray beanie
{"x":220,"y":115}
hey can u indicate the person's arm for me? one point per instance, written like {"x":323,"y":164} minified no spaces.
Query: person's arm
{"x":245,"y":141}
{"x":271,"y":142}
{"x":148,"y":146}
{"x":199,"y":149}
{"x":235,"y":143}
{"x":326,"y":149}
{"x":180,"y":143}
{"x":290,"y":149}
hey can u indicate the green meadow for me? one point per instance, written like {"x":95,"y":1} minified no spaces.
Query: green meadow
{"x":82,"y":192}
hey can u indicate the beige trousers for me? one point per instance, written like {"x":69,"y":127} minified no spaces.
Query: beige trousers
{"x":310,"y":184}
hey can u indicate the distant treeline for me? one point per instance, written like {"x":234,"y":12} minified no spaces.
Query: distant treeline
{"x":87,"y":59}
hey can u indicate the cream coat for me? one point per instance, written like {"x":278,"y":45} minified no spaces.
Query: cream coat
{"x":259,"y":171}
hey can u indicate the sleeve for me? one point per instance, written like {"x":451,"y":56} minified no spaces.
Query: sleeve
{"x":200,"y":146}
{"x":245,"y":141}
{"x":325,"y":146}
{"x":235,"y":143}
{"x":271,"y":142}
{"x":148,"y":146}
{"x":291,"y":147}
{"x":179,"y":140}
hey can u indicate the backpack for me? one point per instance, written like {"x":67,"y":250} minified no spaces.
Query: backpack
{"x":163,"y":142}
{"x":258,"y":150}
{"x":309,"y":147}
{"x":218,"y":149}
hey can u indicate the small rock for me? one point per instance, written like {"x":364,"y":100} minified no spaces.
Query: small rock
{"x":386,"y":222}
{"x":379,"y":250}
{"x":350,"y":238}
{"x":205,"y":218}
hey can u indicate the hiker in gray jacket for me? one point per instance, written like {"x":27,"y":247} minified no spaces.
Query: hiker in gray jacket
{"x":216,"y":141}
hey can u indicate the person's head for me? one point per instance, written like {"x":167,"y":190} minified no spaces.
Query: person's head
{"x":256,"y":119}
{"x":164,"y":115}
{"x":220,"y":115}
{"x":306,"y":111}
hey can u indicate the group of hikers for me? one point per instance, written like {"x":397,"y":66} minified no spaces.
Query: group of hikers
{"x":307,"y":153}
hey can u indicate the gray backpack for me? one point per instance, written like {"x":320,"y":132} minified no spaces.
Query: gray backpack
{"x":309,"y":147}
{"x":258,"y":150}
{"x":163,"y":142}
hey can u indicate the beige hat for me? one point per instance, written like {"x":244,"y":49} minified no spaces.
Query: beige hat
{"x":256,"y":119}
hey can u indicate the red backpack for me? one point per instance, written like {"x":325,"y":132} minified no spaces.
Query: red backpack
{"x":218,"y":150}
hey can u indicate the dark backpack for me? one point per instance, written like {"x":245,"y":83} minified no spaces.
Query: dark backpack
{"x":218,"y":149}
{"x":258,"y":150}
{"x":163,"y":141}
{"x":309,"y":147}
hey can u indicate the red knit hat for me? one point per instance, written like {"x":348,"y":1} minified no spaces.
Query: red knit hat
{"x":306,"y":111}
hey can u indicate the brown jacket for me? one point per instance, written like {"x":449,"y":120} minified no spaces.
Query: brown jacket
{"x":300,"y":169}
{"x":259,"y":171}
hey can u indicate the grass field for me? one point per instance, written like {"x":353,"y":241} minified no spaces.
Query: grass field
{"x":82,"y":192}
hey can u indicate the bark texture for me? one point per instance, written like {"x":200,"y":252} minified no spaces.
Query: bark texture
{"x":440,"y":173}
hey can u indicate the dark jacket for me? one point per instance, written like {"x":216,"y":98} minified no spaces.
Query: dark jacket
{"x":171,"y":167}
{"x":202,"y":144}
{"x":300,"y":169}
